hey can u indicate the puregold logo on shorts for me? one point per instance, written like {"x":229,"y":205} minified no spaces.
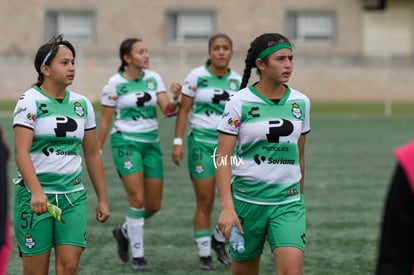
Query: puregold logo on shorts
{"x":225,"y":160}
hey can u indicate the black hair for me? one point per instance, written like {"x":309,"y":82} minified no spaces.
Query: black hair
{"x":259,"y":44}
{"x":213,"y":38}
{"x":125,"y":49}
{"x":47,"y":52}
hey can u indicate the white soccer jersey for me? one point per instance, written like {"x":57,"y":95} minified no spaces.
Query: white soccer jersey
{"x":58,"y":130}
{"x":267,"y":136}
{"x":210,"y":93}
{"x":135,"y":103}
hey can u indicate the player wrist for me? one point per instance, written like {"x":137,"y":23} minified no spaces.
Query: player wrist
{"x":178,"y":141}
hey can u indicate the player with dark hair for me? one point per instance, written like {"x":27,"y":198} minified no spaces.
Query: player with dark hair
{"x":206,"y":89}
{"x":50,"y":125}
{"x":130,"y":98}
{"x":262,"y":193}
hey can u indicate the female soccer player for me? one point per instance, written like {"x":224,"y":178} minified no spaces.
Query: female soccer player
{"x":50,"y":124}
{"x":206,"y":89}
{"x":131,"y":97}
{"x":268,"y":121}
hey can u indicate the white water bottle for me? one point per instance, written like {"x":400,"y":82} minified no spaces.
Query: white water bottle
{"x":236,"y":239}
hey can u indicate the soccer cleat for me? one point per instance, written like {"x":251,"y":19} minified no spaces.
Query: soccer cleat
{"x":220,"y":249}
{"x":206,"y":263}
{"x":140,"y":264}
{"x":122,"y":242}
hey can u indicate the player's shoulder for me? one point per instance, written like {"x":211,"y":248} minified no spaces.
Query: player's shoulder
{"x":150,"y":73}
{"x":296,"y":94}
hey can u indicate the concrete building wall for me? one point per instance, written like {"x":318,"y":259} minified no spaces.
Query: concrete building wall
{"x":342,"y":71}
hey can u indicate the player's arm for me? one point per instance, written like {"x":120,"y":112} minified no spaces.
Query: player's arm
{"x":22,"y":143}
{"x":301,"y":145}
{"x":180,"y":124}
{"x":228,"y":216}
{"x":105,"y":124}
{"x":94,"y":165}
{"x":170,"y":106}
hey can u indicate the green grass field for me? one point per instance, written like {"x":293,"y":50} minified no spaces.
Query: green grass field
{"x":348,"y":166}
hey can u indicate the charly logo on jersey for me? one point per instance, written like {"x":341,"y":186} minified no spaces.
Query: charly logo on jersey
{"x":296,"y":111}
{"x":260,"y":159}
{"x":29,"y":241}
{"x":78,"y":108}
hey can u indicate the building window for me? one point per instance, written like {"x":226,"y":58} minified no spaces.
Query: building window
{"x":77,"y":26}
{"x":312,"y":28}
{"x":374,"y":4}
{"x":189,"y":27}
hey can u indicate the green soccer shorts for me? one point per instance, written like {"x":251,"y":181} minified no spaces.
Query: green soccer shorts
{"x":37,"y":234}
{"x":132,"y":157}
{"x":282,"y":225}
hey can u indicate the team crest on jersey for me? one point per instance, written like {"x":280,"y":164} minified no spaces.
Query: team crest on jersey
{"x":78,"y":108}
{"x":150,"y":84}
{"x":296,"y":111}
{"x":199,"y":168}
{"x":233,"y":84}
{"x":30,"y":242}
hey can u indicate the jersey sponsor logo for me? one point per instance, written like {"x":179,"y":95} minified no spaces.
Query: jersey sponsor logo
{"x":275,"y":161}
{"x":19,"y":110}
{"x":47,"y":151}
{"x":64,"y":125}
{"x":296,"y":111}
{"x":142,"y":97}
{"x":279,"y":128}
{"x":78,"y":108}
{"x":220,"y":95}
{"x":275,"y":148}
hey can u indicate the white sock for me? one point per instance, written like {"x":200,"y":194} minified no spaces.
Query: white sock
{"x":135,"y":225}
{"x":203,"y":246}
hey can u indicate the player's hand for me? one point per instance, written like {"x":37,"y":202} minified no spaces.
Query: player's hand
{"x":102,"y":212}
{"x":38,"y":202}
{"x":177,"y":154}
{"x":226,"y":220}
{"x":175,"y":89}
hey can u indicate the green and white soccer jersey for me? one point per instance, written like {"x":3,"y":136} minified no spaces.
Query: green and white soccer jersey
{"x":267,"y":169}
{"x":135,"y":103}
{"x":58,"y":130}
{"x":210,"y":93}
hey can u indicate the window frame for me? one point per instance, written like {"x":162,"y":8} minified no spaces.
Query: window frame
{"x":296,"y":24}
{"x":177,"y":34}
{"x":54,"y":21}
